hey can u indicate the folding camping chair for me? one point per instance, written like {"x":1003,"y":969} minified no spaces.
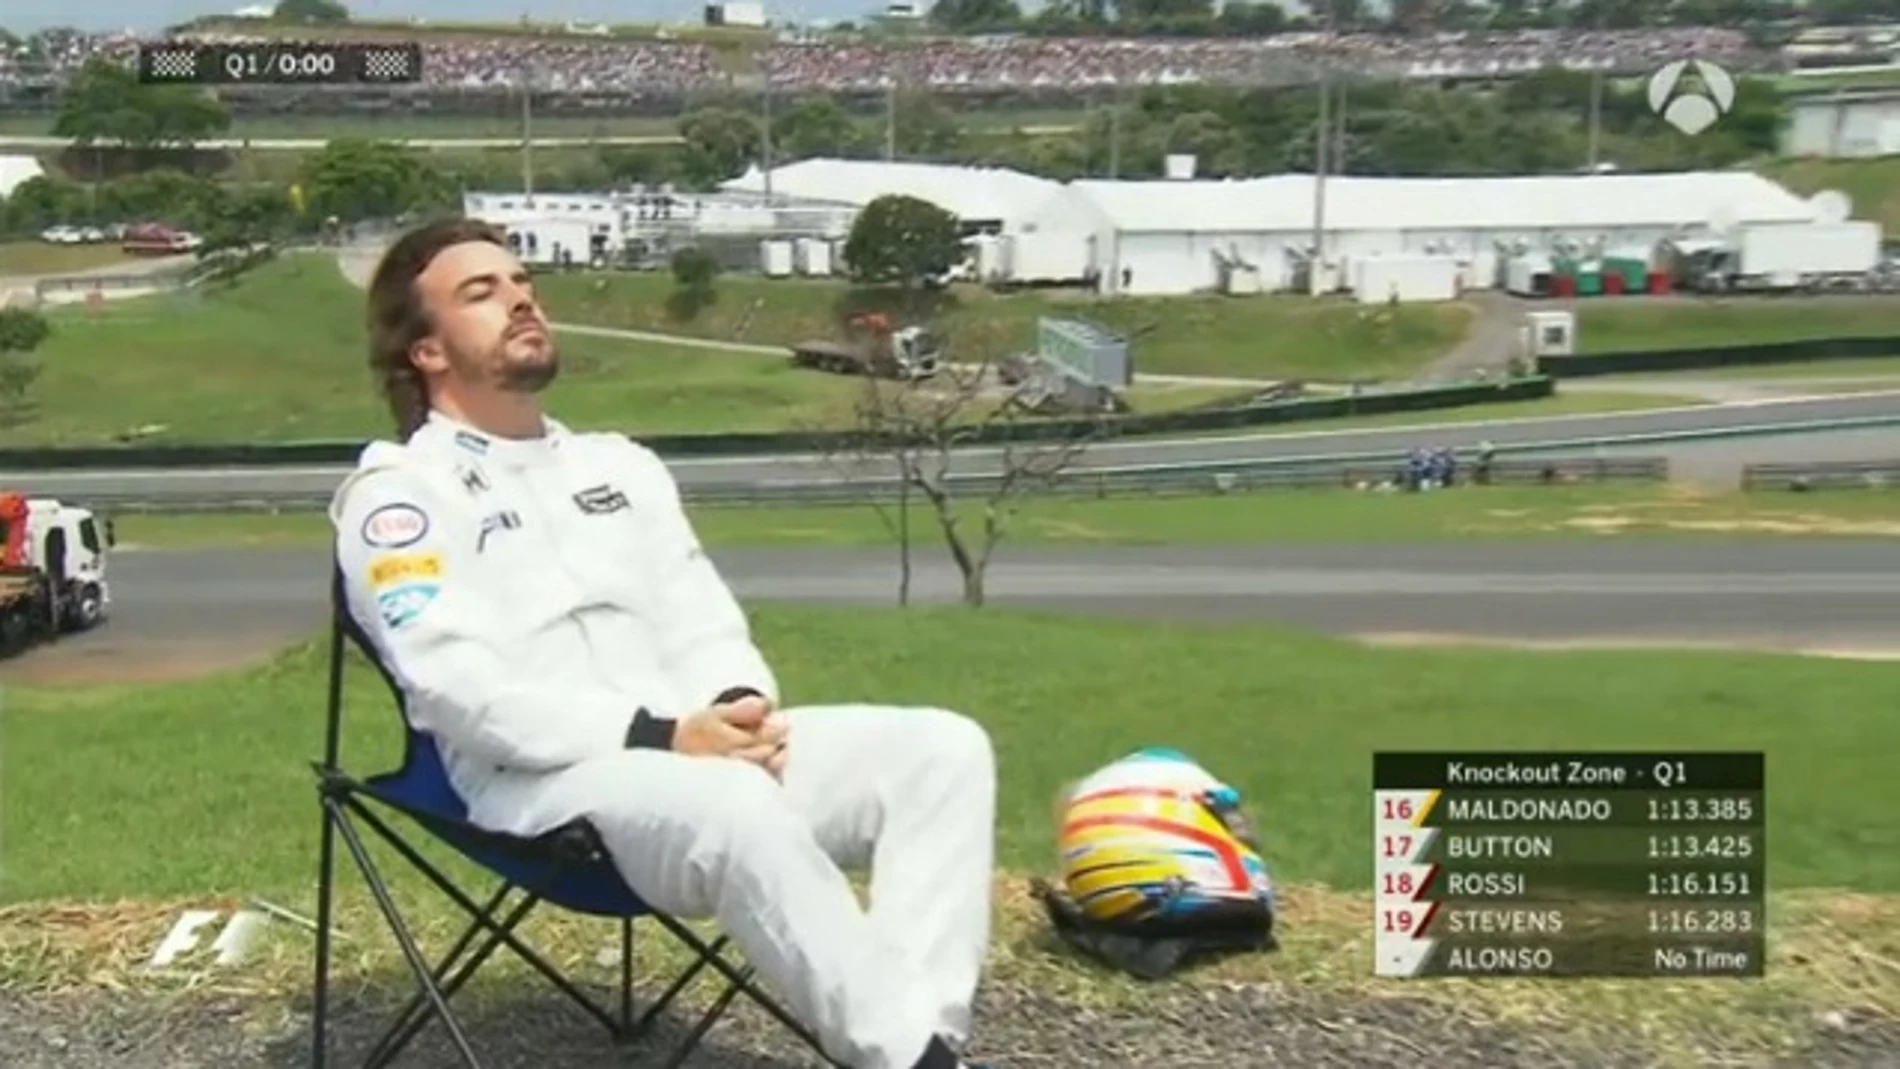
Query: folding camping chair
{"x":567,"y":868}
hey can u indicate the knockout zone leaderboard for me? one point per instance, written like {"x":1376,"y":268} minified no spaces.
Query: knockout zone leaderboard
{"x":1572,"y":865}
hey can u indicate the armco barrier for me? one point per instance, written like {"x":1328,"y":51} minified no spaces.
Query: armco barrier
{"x":1821,"y":475}
{"x":1818,"y":350}
{"x":1135,"y":481}
{"x":296,"y":454}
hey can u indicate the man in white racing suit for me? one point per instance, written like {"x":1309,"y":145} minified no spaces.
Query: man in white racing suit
{"x":555,"y":626}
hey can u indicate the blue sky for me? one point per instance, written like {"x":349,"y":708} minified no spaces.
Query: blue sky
{"x":151,"y":15}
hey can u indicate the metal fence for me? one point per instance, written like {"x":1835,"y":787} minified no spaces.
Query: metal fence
{"x":1182,"y":480}
{"x":1853,"y":474}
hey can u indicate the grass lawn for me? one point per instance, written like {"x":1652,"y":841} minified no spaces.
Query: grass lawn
{"x":1268,"y":337}
{"x":42,"y":258}
{"x":1873,"y":185}
{"x":228,"y":811}
{"x":1312,"y":516}
{"x":279,"y":356}
{"x":1609,"y":326}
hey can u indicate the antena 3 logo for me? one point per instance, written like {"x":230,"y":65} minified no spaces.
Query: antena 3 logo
{"x":1685,"y":105}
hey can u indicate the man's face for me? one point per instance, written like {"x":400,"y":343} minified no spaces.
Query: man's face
{"x":490,"y":332}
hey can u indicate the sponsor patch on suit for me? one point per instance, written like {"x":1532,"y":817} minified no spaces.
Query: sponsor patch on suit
{"x":393,"y":568}
{"x":505,"y":520}
{"x":601,"y":500}
{"x":394,"y":526}
{"x":472,"y":479}
{"x":403,"y":605}
{"x":474,"y":443}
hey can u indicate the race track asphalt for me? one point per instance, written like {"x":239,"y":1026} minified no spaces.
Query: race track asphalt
{"x":213,"y":608}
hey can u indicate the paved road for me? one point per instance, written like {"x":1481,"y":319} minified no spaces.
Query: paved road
{"x":215,"y":608}
{"x":1717,"y":460}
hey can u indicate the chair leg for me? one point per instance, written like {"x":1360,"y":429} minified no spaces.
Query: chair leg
{"x":415,"y":1016}
{"x":468,"y":906}
{"x":706,"y":1020}
{"x":326,"y":882}
{"x":410,"y":951}
{"x":626,"y":977}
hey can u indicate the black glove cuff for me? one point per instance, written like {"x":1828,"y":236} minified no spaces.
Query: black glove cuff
{"x":649,"y":732}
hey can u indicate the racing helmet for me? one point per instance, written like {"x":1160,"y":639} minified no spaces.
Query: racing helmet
{"x":1155,"y":849}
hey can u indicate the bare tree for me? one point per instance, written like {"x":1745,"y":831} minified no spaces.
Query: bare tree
{"x":905,"y":440}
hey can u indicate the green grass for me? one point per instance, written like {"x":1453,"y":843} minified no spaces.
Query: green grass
{"x":279,"y":356}
{"x":1269,"y":337}
{"x":1324,"y":517}
{"x":1292,"y":719}
{"x":41,"y":258}
{"x":1873,"y":185}
{"x":1610,"y":326}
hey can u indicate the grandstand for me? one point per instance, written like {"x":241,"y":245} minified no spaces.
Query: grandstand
{"x":621,"y":72}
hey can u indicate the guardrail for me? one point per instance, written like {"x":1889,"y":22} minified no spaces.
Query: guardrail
{"x":1860,"y":474}
{"x":297,"y":454}
{"x":1818,"y":351}
{"x":1178,"y":480}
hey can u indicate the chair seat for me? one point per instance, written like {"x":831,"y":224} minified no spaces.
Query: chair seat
{"x":567,"y":867}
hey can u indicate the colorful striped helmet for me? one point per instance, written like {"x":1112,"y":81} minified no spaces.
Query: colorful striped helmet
{"x":1153,"y":841}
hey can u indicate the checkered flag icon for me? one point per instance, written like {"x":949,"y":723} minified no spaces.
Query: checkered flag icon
{"x":385,"y":65}
{"x":174,"y":65}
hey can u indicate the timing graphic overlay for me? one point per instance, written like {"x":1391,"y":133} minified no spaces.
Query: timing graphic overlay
{"x":1574,"y":865}
{"x":280,"y":63}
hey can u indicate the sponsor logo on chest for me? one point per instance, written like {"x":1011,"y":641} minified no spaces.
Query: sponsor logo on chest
{"x":601,"y":500}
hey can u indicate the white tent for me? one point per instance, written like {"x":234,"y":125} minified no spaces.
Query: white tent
{"x":1173,"y":237}
{"x":15,"y":170}
{"x":987,"y":197}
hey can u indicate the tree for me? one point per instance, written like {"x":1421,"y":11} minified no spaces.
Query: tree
{"x":906,"y":437}
{"x":105,"y":103}
{"x":22,"y":330}
{"x":899,"y":240}
{"x":310,"y":12}
{"x":355,"y":179}
{"x":694,"y":272}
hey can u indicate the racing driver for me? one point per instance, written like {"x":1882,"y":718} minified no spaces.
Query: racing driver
{"x":555,"y":626}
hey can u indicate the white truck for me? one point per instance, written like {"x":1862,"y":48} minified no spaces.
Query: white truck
{"x":1792,"y":256}
{"x":52,"y":570}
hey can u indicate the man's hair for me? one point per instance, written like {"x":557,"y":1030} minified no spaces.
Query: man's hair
{"x":397,"y":319}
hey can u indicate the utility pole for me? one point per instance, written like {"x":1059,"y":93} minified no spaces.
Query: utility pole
{"x":890,"y":117}
{"x":765,"y":139}
{"x":1596,"y":114}
{"x":1320,"y":140}
{"x":527,"y":133}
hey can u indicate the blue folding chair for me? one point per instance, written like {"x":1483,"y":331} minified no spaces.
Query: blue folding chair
{"x":567,"y":868}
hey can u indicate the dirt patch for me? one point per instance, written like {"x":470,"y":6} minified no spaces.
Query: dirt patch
{"x":1791,"y":524}
{"x":1421,"y":638}
{"x":76,"y":665}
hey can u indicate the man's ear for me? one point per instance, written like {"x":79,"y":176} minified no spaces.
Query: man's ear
{"x":429,"y":356}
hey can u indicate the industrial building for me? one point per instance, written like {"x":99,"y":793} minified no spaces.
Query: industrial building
{"x":1846,"y":123}
{"x":1408,"y":239}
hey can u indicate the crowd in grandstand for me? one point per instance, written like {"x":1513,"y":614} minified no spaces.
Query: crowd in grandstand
{"x":948,"y":65}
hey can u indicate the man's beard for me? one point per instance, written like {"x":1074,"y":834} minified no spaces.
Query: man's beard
{"x":529,"y":378}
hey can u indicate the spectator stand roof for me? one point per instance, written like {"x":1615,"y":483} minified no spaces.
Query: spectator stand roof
{"x":1285,"y":203}
{"x":972,"y":194}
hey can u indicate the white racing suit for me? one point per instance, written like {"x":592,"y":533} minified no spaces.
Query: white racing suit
{"x":531,"y":596}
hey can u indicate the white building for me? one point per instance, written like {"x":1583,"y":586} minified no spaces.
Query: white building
{"x":1253,"y":235}
{"x":593,"y":226}
{"x":1843,"y":124}
{"x":984,"y":198}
